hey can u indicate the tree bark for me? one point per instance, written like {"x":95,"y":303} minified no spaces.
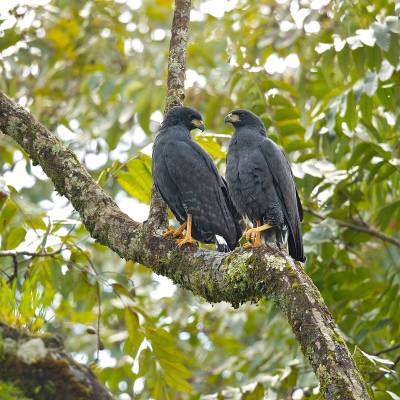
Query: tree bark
{"x":38,"y":367}
{"x":236,"y":277}
{"x":175,"y":91}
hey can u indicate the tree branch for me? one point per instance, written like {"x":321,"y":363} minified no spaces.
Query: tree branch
{"x":177,"y":54}
{"x":236,"y":277}
{"x":175,"y":90}
{"x":358,"y":227}
{"x":14,"y":253}
{"x":388,"y":350}
{"x":39,"y":366}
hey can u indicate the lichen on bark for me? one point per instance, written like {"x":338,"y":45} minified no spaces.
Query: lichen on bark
{"x":37,"y":367}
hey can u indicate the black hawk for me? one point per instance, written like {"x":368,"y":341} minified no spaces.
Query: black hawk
{"x":188,"y":181}
{"x":261,"y":184}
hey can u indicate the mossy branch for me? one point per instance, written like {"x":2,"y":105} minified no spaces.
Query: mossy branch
{"x":237,"y":277}
{"x":34,"y":367}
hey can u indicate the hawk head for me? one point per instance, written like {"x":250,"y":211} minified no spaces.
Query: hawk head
{"x":186,"y":116}
{"x":239,"y":118}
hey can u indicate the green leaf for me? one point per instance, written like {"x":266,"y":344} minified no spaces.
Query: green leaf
{"x":137,"y":182}
{"x":177,"y":369}
{"x":256,"y":394}
{"x":9,"y":38}
{"x":103,"y":177}
{"x":359,"y":60}
{"x":285,"y":113}
{"x":3,"y":198}
{"x":36,"y":222}
{"x":211,"y":146}
{"x":131,"y":321}
{"x":122,"y":290}
{"x":176,"y":382}
{"x":351,"y":111}
{"x":279,"y":100}
{"x":344,"y":60}
{"x":15,"y":237}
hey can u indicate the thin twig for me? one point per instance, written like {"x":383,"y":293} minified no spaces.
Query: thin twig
{"x":358,"y":227}
{"x":45,"y":236}
{"x":99,"y":344}
{"x":388,"y":350}
{"x":382,"y":374}
{"x":14,"y":253}
{"x":15,"y":271}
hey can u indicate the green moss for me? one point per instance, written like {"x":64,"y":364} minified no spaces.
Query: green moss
{"x":16,"y":127}
{"x":240,"y":285}
{"x":10,"y":392}
{"x":57,"y":148}
{"x":44,"y":379}
{"x":338,"y":338}
{"x":51,"y":340}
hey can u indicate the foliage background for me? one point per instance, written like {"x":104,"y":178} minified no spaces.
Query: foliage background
{"x":323,"y":75}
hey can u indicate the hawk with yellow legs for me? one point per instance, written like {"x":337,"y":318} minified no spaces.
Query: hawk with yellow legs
{"x":261,"y":184}
{"x":188,"y":181}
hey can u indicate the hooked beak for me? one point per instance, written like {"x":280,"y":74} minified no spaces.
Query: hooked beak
{"x":199,"y":124}
{"x":231,"y":118}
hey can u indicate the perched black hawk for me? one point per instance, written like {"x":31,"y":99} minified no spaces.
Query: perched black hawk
{"x":188,"y":181}
{"x":261,"y":184}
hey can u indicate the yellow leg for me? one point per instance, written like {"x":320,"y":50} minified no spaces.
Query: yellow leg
{"x":170,"y":230}
{"x":175,"y":232}
{"x":188,"y":237}
{"x":179,"y":231}
{"x":253,"y":235}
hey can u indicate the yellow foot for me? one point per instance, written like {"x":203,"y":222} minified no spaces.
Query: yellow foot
{"x":187,"y":240}
{"x":251,"y":233}
{"x":169,"y":231}
{"x":177,"y":234}
{"x":249,"y":246}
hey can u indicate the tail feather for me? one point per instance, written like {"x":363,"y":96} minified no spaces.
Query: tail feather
{"x":295,"y":242}
{"x":222,"y":246}
{"x":276,"y":235}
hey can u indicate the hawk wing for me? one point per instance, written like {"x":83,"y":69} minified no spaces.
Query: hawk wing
{"x":286,"y":189}
{"x":199,"y":187}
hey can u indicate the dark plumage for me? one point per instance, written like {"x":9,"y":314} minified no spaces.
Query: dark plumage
{"x":188,"y":181}
{"x":261,"y":183}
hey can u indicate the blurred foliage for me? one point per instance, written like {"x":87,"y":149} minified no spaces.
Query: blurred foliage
{"x":324,"y":76}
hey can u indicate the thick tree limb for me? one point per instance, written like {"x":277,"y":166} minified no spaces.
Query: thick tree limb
{"x":177,"y":54}
{"x":40,"y":368}
{"x":175,"y":90}
{"x":236,"y":277}
{"x":360,"y":228}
